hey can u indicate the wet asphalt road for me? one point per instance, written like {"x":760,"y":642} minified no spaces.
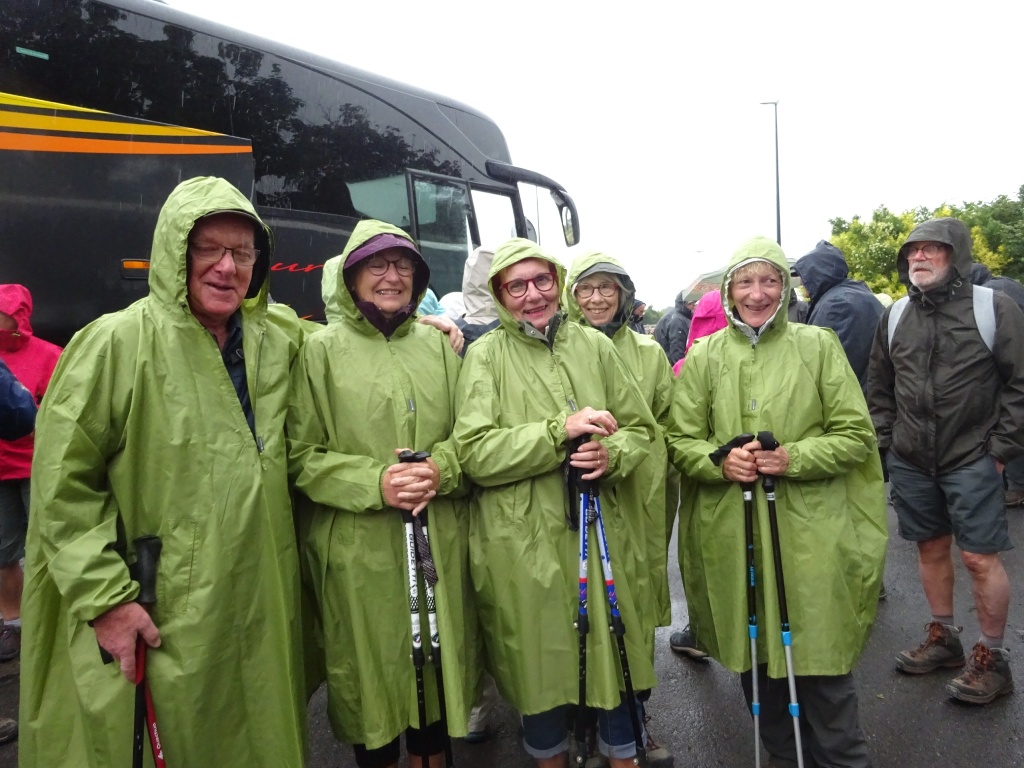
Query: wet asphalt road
{"x":699,"y":713}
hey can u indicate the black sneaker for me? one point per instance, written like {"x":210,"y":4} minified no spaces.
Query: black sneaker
{"x":685,"y":643}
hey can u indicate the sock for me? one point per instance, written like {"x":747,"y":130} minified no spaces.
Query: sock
{"x":947,"y":620}
{"x":991,"y":641}
{"x":13,"y":622}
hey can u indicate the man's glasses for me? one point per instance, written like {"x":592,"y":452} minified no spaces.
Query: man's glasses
{"x":586,"y":290}
{"x":516,"y":288}
{"x":243,"y":257}
{"x":928,"y":250}
{"x":379,"y":266}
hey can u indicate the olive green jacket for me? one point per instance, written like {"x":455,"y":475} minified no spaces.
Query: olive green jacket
{"x":794,"y":381}
{"x":644,"y":492}
{"x":357,"y":396}
{"x":515,"y":392}
{"x":141,"y":433}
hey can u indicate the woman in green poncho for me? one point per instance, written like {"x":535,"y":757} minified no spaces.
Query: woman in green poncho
{"x":527,"y":389}
{"x":599,"y":293}
{"x":762,"y":373}
{"x":368,"y":385}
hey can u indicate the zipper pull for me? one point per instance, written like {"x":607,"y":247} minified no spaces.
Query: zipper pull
{"x":259,"y":444}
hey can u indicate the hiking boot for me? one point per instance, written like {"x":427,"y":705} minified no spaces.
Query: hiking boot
{"x":987,"y":676}
{"x":942,"y":648}
{"x":1013,"y":498}
{"x":10,"y":643}
{"x":8,"y":730}
{"x":685,"y":643}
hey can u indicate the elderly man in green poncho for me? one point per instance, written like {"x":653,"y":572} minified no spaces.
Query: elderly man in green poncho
{"x":527,"y":390}
{"x":763,"y":373}
{"x":167,"y":419}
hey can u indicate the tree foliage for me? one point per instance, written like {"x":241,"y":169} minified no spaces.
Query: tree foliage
{"x":870,"y":247}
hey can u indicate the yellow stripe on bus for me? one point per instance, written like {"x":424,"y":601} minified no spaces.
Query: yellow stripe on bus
{"x":26,"y":142}
{"x":70,"y":124}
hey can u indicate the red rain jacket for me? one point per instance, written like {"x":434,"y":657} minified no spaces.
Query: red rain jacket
{"x":32,"y":361}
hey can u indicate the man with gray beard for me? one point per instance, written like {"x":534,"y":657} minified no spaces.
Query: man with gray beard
{"x":946,"y":394}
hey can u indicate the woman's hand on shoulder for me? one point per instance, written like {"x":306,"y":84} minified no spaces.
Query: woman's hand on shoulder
{"x":446,"y":325}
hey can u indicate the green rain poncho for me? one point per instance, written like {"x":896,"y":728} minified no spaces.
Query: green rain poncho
{"x":794,"y":381}
{"x":357,"y":396}
{"x":644,"y":491}
{"x":515,"y":393}
{"x":141,"y":433}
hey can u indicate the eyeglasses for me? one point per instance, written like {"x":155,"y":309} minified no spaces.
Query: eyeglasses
{"x":243,"y":257}
{"x":586,"y":290}
{"x":928,"y":250}
{"x":516,"y":288}
{"x":378,"y":265}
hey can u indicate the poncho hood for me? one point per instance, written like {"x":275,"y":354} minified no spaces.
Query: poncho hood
{"x":16,"y":301}
{"x":476,"y":293}
{"x":188,"y":202}
{"x":949,"y":231}
{"x":758,"y":249}
{"x":821,"y":269}
{"x":590,"y":264}
{"x":340,"y":304}
{"x":509,"y":253}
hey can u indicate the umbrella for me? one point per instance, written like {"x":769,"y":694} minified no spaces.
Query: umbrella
{"x":712,"y":281}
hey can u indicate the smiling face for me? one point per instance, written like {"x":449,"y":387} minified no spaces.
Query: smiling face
{"x":535,"y":306}
{"x":598,"y":296}
{"x":391,"y":291}
{"x":927,"y":263}
{"x":756,"y":291}
{"x":216,"y":288}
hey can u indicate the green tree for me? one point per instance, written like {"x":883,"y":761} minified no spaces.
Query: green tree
{"x":870,"y":247}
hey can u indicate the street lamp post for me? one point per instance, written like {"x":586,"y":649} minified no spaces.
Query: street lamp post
{"x":778,"y":201}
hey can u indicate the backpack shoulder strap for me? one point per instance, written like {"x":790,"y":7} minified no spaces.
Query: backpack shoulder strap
{"x":895,"y":313}
{"x":985,"y":315}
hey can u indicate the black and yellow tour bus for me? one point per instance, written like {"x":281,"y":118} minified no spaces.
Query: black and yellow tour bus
{"x":106,"y":106}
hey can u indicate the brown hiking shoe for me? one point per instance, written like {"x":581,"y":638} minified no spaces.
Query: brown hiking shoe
{"x":942,"y":648}
{"x":986,"y":677}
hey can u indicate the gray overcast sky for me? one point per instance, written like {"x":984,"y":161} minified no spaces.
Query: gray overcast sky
{"x":648,"y":112}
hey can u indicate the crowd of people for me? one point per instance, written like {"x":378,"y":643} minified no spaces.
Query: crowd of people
{"x":350,"y":504}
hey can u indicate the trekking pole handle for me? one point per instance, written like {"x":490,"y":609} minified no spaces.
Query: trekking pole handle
{"x":767,"y":441}
{"x":413,"y":457}
{"x":582,"y":486}
{"x":147,"y":555}
{"x":718,"y":456}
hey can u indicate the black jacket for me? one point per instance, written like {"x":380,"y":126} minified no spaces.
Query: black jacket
{"x":938,"y":397}
{"x":846,"y":306}
{"x":980,"y":275}
{"x":672,"y":330}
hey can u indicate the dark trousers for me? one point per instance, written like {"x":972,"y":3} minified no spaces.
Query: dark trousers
{"x":829,"y":721}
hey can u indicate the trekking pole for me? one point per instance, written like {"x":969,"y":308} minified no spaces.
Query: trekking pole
{"x":582,"y":628}
{"x":755,"y":703}
{"x":147,"y":553}
{"x":420,"y":559}
{"x":751,"y":576}
{"x":618,"y":628}
{"x":769,"y":443}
